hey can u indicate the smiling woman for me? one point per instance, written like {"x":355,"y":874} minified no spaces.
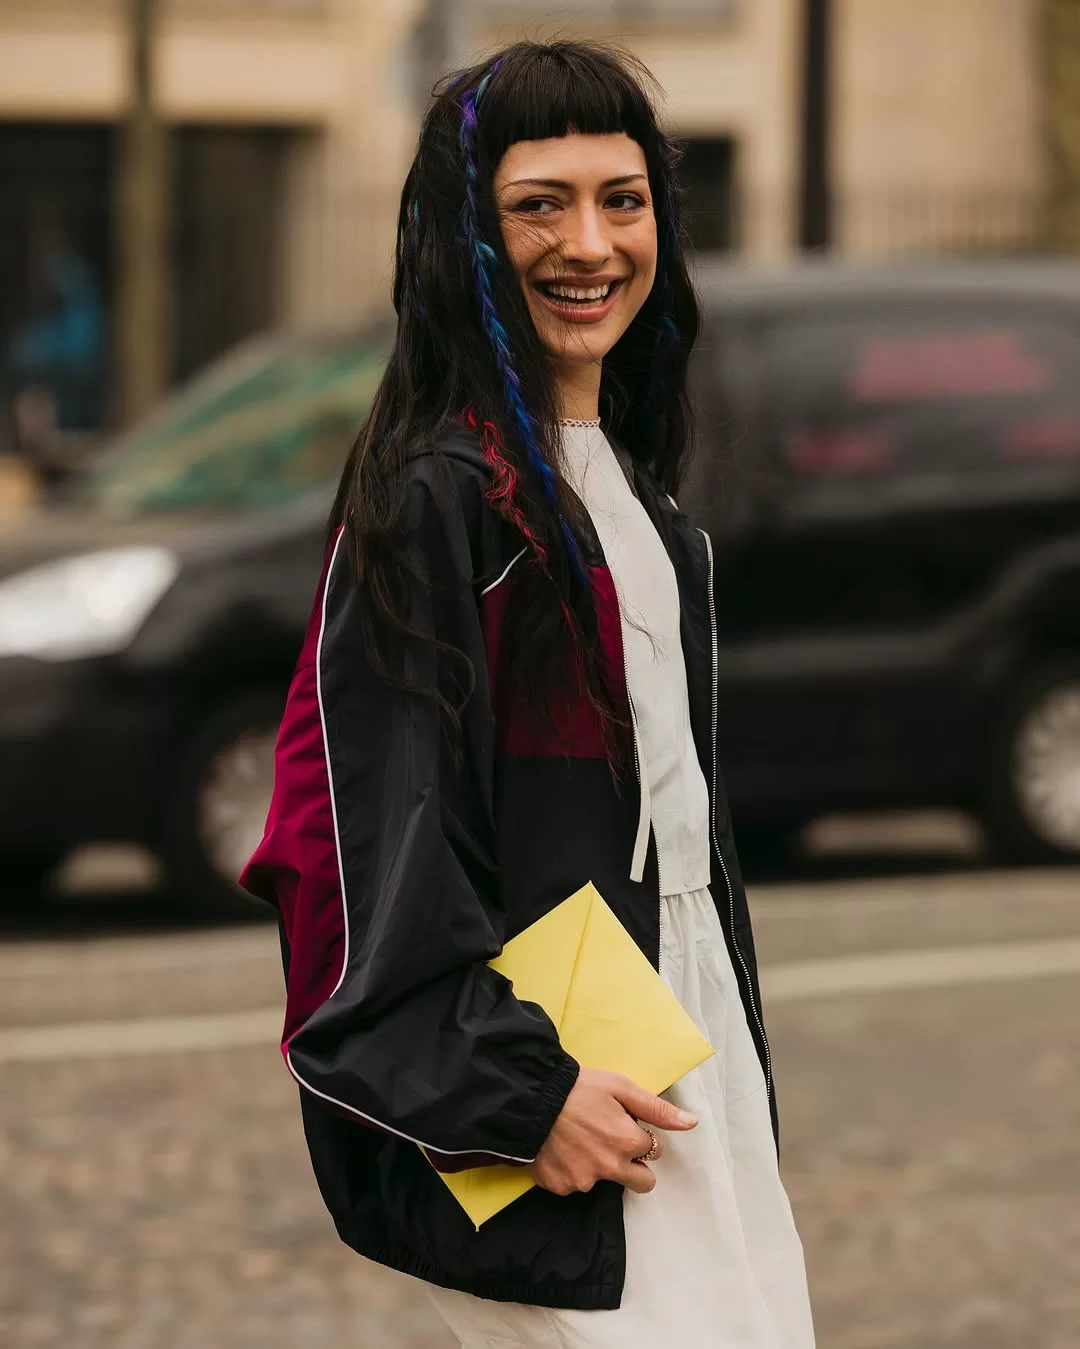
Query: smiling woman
{"x":578,"y":225}
{"x":507,"y":691}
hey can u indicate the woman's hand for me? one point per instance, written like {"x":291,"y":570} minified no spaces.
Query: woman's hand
{"x":596,"y":1136}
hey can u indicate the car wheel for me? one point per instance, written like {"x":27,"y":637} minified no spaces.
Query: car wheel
{"x":217,"y":809}
{"x":1035,"y":804}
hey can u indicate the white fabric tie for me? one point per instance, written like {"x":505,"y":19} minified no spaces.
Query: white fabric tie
{"x":674,"y":796}
{"x":641,"y":842}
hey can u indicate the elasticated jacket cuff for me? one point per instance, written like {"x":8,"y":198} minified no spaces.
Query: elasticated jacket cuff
{"x":550,"y":1099}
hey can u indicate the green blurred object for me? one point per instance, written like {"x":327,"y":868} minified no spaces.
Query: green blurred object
{"x":269,"y":422}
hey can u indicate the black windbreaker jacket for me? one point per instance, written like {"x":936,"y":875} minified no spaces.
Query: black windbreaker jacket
{"x":400,"y":859}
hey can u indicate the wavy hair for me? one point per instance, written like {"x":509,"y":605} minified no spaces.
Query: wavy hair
{"x":466,"y":349}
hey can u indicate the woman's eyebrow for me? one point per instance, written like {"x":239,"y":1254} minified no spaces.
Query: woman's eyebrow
{"x":567,"y":187}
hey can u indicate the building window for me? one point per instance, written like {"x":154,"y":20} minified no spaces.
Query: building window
{"x":227,"y":192}
{"x":55,"y":271}
{"x":709,"y":197}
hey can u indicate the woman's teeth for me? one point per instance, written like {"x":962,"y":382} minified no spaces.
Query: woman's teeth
{"x":579,"y":294}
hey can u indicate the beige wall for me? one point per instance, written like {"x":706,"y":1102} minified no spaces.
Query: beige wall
{"x":935,"y":134}
{"x":733,"y":79}
{"x":936,"y":124}
{"x":740,"y":82}
{"x":332,"y":73}
{"x":343,"y":186}
{"x":935,"y":103}
{"x":69,"y":63}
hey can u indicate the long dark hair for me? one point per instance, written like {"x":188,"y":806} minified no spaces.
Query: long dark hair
{"x":466,"y":348}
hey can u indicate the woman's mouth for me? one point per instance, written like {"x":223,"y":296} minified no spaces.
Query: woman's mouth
{"x":580,"y":304}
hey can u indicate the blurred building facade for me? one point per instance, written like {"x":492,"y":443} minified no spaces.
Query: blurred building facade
{"x":937,"y":125}
{"x":294,"y":120}
{"x":276,"y":139}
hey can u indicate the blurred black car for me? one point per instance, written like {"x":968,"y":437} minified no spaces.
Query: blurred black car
{"x":148,"y":627}
{"x":889,"y":466}
{"x":889,"y":463}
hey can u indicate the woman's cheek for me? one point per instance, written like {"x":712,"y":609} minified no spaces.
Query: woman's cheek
{"x":645,"y":250}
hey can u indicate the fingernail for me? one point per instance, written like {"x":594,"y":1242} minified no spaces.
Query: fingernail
{"x":685,"y":1117}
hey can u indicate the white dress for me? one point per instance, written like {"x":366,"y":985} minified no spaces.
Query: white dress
{"x":713,"y":1260}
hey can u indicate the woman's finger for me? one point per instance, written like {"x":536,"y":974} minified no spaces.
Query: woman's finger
{"x":637,"y":1176}
{"x":650,"y":1109}
{"x":649,"y":1141}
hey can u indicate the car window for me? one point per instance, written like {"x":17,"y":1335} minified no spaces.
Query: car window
{"x":718,"y":480}
{"x":258,"y":429}
{"x":918,"y":403}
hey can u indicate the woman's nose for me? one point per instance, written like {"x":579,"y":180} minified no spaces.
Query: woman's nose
{"x":586,"y":239}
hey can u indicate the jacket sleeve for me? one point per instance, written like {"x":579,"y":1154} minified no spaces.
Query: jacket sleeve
{"x":380,"y":855}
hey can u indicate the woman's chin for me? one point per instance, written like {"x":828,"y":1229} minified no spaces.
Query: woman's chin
{"x":579,"y":348}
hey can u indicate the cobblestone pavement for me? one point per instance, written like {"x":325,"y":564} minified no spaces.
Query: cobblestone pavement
{"x":931,"y":1149}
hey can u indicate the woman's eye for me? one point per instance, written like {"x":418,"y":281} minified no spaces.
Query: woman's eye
{"x":626,"y":201}
{"x":538,"y":206}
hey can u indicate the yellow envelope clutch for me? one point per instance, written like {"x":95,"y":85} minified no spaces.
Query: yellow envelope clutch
{"x":612,"y":1011}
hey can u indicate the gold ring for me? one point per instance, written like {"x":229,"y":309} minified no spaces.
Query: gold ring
{"x":654,"y":1151}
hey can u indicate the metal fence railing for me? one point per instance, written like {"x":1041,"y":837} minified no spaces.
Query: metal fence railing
{"x":887,"y":223}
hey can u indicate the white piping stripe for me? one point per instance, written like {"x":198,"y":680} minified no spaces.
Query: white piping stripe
{"x":795,"y":981}
{"x":487,"y":589}
{"x":344,"y":1105}
{"x":428,"y":1147}
{"x":329,"y":768}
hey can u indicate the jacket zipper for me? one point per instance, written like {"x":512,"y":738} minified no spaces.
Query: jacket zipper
{"x":712,"y":819}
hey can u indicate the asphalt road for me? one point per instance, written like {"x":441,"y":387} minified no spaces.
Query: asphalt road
{"x":925,"y":1028}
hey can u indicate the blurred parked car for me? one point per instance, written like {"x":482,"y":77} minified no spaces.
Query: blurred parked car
{"x":889,"y":465}
{"x":148,"y":628}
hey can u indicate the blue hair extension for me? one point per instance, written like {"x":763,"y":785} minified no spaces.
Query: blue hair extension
{"x":484,"y":262}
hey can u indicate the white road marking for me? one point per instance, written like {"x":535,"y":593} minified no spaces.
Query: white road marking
{"x":962,"y":890}
{"x":147,"y":1035}
{"x":943,"y":967}
{"x":117,"y":956}
{"x":796,"y":981}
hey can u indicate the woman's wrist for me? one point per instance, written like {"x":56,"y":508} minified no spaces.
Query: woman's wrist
{"x":549,"y":1101}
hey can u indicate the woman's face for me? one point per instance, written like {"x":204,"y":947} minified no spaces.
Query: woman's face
{"x":577,"y":220}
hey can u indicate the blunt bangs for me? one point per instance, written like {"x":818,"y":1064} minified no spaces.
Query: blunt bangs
{"x":544,"y":92}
